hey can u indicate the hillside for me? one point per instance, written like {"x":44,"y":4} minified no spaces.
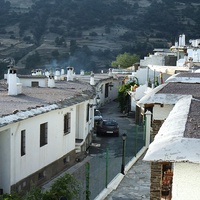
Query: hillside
{"x":90,"y":34}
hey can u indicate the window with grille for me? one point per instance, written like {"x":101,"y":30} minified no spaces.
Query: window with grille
{"x":67,"y":123}
{"x":23,"y":142}
{"x":43,"y":134}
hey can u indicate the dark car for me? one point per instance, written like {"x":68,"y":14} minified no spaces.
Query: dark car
{"x":97,"y":115}
{"x":107,"y":127}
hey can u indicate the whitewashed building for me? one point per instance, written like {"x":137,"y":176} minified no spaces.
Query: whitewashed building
{"x":43,"y":127}
{"x":177,"y":145}
{"x":172,"y":103}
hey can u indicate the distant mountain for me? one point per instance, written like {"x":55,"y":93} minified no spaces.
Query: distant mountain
{"x":89,"y":34}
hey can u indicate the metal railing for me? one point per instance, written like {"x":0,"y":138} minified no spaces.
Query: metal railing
{"x":100,"y":170}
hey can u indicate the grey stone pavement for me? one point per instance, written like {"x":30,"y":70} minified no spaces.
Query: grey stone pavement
{"x":135,"y":185}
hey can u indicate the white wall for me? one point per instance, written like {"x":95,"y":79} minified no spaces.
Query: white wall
{"x":153,"y":60}
{"x":161,"y":113}
{"x":143,"y":74}
{"x":5,"y":160}
{"x":80,"y":121}
{"x":27,"y":81}
{"x":37,"y":157}
{"x":112,"y":92}
{"x":186,"y":181}
{"x":195,"y":54}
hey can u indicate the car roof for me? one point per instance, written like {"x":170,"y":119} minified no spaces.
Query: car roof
{"x":109,"y":121}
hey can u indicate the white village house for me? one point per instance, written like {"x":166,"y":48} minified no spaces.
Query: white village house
{"x":177,"y":146}
{"x":175,"y":135}
{"x":44,"y":124}
{"x":164,"y":63}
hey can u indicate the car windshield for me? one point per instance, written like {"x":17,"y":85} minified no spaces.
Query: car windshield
{"x":109,"y":123}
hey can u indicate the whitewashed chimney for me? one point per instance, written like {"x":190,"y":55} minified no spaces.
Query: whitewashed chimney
{"x":183,"y":39}
{"x":33,"y":72}
{"x":38,"y":72}
{"x":12,"y":81}
{"x":110,"y":72}
{"x":62,"y":71}
{"x":176,"y":44}
{"x":180,"y":41}
{"x":70,"y":71}
{"x":92,"y":79}
{"x":57,"y":74}
{"x":47,"y":73}
{"x":51,"y":81}
{"x":82,"y":73}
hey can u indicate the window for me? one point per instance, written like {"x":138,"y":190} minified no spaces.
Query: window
{"x":34,"y":84}
{"x":41,"y":175}
{"x":67,"y":123}
{"x":87,"y":114}
{"x":23,"y":142}
{"x":167,"y":178}
{"x":106,"y":90}
{"x":43,"y":134}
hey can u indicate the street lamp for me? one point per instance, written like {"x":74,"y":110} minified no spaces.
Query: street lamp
{"x":123,"y":153}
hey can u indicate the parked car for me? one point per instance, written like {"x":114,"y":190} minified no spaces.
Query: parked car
{"x":97,"y":116}
{"x":107,"y":127}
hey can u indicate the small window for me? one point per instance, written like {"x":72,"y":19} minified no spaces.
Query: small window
{"x":66,"y":160}
{"x":106,"y":90}
{"x":34,"y":83}
{"x":87,"y":114}
{"x":23,"y":142}
{"x":43,"y":134}
{"x":41,"y":175}
{"x":67,"y":123}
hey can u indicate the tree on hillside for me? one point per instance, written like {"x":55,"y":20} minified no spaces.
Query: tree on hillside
{"x":125,"y":60}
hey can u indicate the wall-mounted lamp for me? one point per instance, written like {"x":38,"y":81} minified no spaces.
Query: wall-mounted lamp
{"x":110,"y":85}
{"x":97,"y":102}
